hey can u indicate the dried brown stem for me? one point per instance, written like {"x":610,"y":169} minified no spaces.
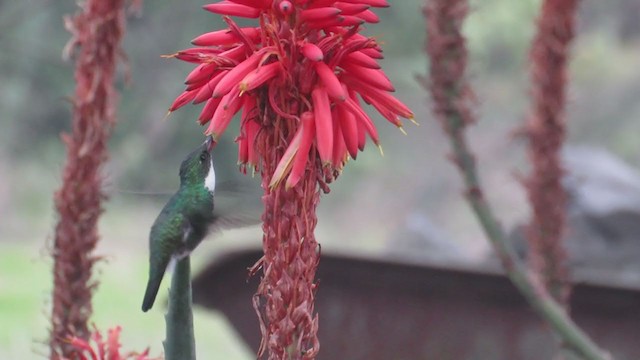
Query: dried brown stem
{"x":546,"y":131}
{"x":451,"y":97}
{"x":97,"y":31}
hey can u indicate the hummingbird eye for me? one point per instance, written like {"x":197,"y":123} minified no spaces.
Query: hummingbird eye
{"x":203,"y":157}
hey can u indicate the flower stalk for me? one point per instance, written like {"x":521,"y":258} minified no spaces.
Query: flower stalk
{"x":297,"y":79}
{"x":452,"y":97}
{"x":547,"y":132}
{"x":97,"y":31}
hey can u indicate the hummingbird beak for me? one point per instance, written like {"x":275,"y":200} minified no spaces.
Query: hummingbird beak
{"x":210,"y":143}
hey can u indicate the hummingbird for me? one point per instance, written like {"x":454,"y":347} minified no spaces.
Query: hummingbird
{"x":188,"y":217}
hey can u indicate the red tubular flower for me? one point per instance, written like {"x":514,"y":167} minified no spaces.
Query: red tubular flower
{"x":98,"y":348}
{"x":298,"y":78}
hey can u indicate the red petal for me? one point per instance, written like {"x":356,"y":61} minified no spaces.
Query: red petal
{"x":373,"y":77}
{"x":183,"y":99}
{"x":360,"y":59}
{"x":229,"y":106}
{"x":207,"y":89}
{"x":236,"y":74}
{"x":225,"y":37}
{"x":368,"y":16}
{"x":200,"y":72}
{"x":373,"y":53}
{"x":349,"y":126}
{"x":381,"y":98}
{"x":233,"y":9}
{"x":284,"y":165}
{"x":351,"y":9}
{"x":374,"y":3}
{"x":362,"y":117}
{"x":330,"y":81}
{"x":324,"y":123}
{"x":312,"y":52}
{"x":209,"y":109}
{"x":337,"y":21}
{"x":258,"y":77}
{"x":318,"y":14}
{"x":243,"y":149}
{"x":339,"y":146}
{"x":258,"y":4}
{"x":302,"y":155}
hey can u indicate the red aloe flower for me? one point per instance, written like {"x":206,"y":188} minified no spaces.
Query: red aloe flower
{"x":297,"y":79}
{"x":99,"y":348}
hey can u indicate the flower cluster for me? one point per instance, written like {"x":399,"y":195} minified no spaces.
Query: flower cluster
{"x":99,"y":348}
{"x":307,"y":63}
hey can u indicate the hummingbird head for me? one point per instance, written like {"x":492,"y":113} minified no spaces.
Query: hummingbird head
{"x":197,"y":168}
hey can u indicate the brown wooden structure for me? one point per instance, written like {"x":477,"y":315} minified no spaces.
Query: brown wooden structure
{"x":380,"y":310}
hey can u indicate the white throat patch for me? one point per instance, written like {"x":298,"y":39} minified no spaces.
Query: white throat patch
{"x":210,"y":180}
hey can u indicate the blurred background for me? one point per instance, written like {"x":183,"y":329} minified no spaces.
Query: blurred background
{"x":391,"y":205}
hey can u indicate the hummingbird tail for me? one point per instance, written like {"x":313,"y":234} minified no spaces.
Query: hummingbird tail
{"x":152,"y":291}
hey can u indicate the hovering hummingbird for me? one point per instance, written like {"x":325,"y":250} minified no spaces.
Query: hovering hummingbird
{"x":188,"y":217}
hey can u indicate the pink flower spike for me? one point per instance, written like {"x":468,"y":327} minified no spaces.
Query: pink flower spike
{"x":374,"y":3}
{"x":200,"y":73}
{"x":373,"y":53}
{"x":233,"y":9}
{"x":206,"y":90}
{"x":339,"y":146}
{"x":312,"y":52}
{"x":225,"y":37}
{"x":351,"y":9}
{"x":284,"y":166}
{"x":229,"y":106}
{"x":183,"y":99}
{"x":318,"y":14}
{"x":373,"y":77}
{"x":302,"y":155}
{"x":383,"y":99}
{"x":319,"y":3}
{"x":236,"y":74}
{"x":362,"y":117}
{"x":348,"y":20}
{"x":360,"y":59}
{"x":258,"y":77}
{"x":208,"y":110}
{"x":258,"y":4}
{"x":324,"y":123}
{"x":349,"y":126}
{"x":330,"y":81}
{"x":386,"y":113}
{"x":368,"y":16}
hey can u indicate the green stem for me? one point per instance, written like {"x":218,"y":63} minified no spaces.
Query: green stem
{"x":180,"y":343}
{"x":529,"y":286}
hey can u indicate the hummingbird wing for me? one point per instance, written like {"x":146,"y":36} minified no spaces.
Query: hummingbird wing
{"x":168,"y":236}
{"x":236,"y":205}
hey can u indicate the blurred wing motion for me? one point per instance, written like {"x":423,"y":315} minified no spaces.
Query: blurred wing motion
{"x":236,"y":205}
